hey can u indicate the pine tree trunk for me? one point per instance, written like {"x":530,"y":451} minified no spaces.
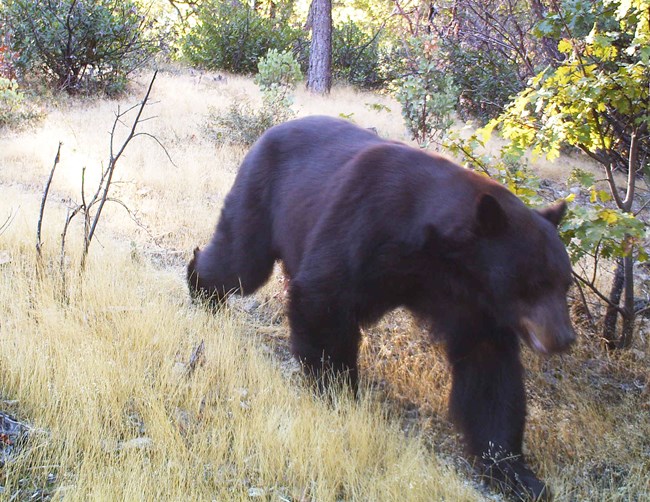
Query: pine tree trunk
{"x":319,"y":77}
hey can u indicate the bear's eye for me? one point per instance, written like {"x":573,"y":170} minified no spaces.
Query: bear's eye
{"x":534,"y":287}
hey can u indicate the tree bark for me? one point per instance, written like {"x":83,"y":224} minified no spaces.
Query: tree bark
{"x":611,"y":315}
{"x":629,"y":317}
{"x":622,"y":285}
{"x":319,"y":77}
{"x":552,"y":55}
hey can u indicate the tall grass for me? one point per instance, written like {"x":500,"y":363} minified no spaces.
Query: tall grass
{"x":108,"y":365}
{"x":100,"y":370}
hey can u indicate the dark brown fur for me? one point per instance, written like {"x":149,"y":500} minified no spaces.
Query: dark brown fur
{"x":364,"y":225}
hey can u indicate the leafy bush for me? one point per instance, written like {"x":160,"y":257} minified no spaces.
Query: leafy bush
{"x":596,"y":99}
{"x":278,"y":68}
{"x":279,"y":72}
{"x":79,"y":44}
{"x":488,"y":81}
{"x":241,"y":124}
{"x":10,"y":99}
{"x":14,"y":111}
{"x":592,"y":228}
{"x":356,"y":56}
{"x":428,"y":97}
{"x":233,"y":37}
{"x":7,"y":56}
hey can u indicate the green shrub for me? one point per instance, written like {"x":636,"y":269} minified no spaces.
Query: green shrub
{"x":279,"y":72}
{"x":79,"y":44}
{"x":233,"y":37}
{"x":428,"y":97}
{"x":14,"y":110}
{"x":487,"y":80}
{"x":278,"y":68}
{"x":241,"y":124}
{"x":357,"y":56}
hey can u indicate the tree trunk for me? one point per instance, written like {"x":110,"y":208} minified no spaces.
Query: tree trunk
{"x":319,"y":77}
{"x":622,"y":285}
{"x":629,"y":317}
{"x":611,"y":315}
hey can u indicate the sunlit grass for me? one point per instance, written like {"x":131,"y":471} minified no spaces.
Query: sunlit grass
{"x":99,"y":367}
{"x":108,"y":364}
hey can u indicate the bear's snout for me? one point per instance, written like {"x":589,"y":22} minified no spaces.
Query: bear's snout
{"x":547,"y":328}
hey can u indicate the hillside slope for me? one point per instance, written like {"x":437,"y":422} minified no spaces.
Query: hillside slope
{"x":101,"y":367}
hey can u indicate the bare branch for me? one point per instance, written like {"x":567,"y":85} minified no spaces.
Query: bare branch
{"x":132,"y":215}
{"x":585,"y":304}
{"x":159,"y":144}
{"x":197,"y":358}
{"x":39,"y":226}
{"x":631,"y":172}
{"x":5,"y":224}
{"x":642,"y":208}
{"x":114,"y":157}
{"x":597,"y":292}
{"x":69,"y":217}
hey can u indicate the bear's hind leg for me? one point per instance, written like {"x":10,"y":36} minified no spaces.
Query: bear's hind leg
{"x":488,"y":404}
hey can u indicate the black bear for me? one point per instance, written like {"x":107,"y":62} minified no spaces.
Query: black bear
{"x":364,"y":225}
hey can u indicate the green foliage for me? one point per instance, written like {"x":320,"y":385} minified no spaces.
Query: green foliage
{"x":597,"y":100}
{"x":232,"y":36}
{"x":357,"y":55}
{"x":242,"y":124}
{"x":278,"y":68}
{"x":428,"y":96}
{"x":507,"y":168}
{"x":10,"y":96}
{"x":79,"y":44}
{"x":277,"y":78}
{"x":598,"y":229}
{"x":486,"y":81}
{"x":577,"y":17}
{"x":597,"y":96}
{"x":377,"y":107}
{"x":14,"y":111}
{"x":592,"y":227}
{"x":279,"y":72}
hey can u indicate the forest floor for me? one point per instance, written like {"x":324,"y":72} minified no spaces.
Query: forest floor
{"x":128,"y":391}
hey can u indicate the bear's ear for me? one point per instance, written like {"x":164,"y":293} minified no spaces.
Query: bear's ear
{"x":554,"y":213}
{"x":491,"y":219}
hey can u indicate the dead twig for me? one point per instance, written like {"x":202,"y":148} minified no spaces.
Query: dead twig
{"x":101,"y":196}
{"x":39,"y":244}
{"x":197,"y":358}
{"x":5,"y":224}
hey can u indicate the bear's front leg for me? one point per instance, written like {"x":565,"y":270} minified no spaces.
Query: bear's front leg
{"x":488,"y":404}
{"x":324,"y":334}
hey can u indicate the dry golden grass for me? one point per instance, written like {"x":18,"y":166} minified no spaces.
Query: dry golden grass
{"x":101,"y":374}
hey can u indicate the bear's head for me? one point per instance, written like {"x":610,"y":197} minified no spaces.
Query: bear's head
{"x":197,"y":286}
{"x":525,"y":269}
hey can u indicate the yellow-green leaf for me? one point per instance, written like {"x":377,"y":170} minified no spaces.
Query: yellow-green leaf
{"x":565,"y":46}
{"x":609,"y":216}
